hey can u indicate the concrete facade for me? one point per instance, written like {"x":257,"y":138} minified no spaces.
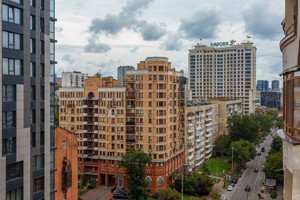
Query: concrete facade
{"x":228,"y":71}
{"x":73,"y":79}
{"x":122,"y":74}
{"x":201,"y":130}
{"x":26,"y":106}
{"x":290,"y":47}
{"x":226,"y":108}
{"x":66,"y":155}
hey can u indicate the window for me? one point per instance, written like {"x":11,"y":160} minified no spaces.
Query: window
{"x":42,"y":75}
{"x":32,"y":22}
{"x":8,"y":93}
{"x":42,"y":4}
{"x":33,"y":116}
{"x":16,"y":1}
{"x":148,"y":180}
{"x":12,"y":67}
{"x":16,"y":194}
{"x":14,"y":170}
{"x":32,"y":45}
{"x":32,"y":92}
{"x":42,"y":93}
{"x":32,"y":69}
{"x":38,"y":184}
{"x":38,"y":162}
{"x":42,"y":115}
{"x":8,"y":145}
{"x":32,"y":3}
{"x":42,"y":47}
{"x":11,"y":14}
{"x":8,"y":120}
{"x":33,"y":139}
{"x":11,"y":40}
{"x":42,"y":138}
{"x":42,"y":25}
{"x":160,"y":181}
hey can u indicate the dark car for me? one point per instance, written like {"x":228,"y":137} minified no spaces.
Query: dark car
{"x":247,"y":188}
{"x":256,"y":169}
{"x":259,"y":154}
{"x":235,"y":180}
{"x":263,"y":149}
{"x":120,"y":194}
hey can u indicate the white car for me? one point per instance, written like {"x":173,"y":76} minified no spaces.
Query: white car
{"x":223,"y":197}
{"x":230,"y":188}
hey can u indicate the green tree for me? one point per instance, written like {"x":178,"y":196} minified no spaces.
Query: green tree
{"x":56,"y":118}
{"x":273,"y":195}
{"x":279,"y":122}
{"x":135,"y":164}
{"x":221,"y":146}
{"x":273,"y":166}
{"x":243,"y":151}
{"x":264,"y":121}
{"x":206,"y":169}
{"x":243,"y":127}
{"x":276,"y":145}
{"x":168,"y":194}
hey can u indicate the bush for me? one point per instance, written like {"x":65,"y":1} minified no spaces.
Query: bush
{"x":273,"y":195}
{"x":167,"y":194}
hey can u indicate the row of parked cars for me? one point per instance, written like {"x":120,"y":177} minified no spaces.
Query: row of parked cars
{"x":235,"y":180}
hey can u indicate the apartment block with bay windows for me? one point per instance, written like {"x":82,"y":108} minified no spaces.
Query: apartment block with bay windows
{"x":27,"y":83}
{"x":147,"y":114}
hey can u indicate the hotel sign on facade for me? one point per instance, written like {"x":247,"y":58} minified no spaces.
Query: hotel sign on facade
{"x":222,"y":44}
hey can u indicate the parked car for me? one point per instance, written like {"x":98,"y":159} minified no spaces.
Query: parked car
{"x":256,"y":169}
{"x":230,"y":187}
{"x":263,"y":149}
{"x":235,"y":180}
{"x":248,"y":188}
{"x":120,"y":194}
{"x":258,"y":153}
{"x":223,"y":197}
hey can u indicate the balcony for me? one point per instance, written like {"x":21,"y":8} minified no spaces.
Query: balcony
{"x":95,"y":139}
{"x":85,"y":155}
{"x":95,"y":123}
{"x":85,"y":131}
{"x":130,"y":140}
{"x":85,"y":123}
{"x":191,"y":150}
{"x":84,"y":139}
{"x":130,"y":123}
{"x":130,"y":114}
{"x":96,"y":131}
{"x":95,"y":148}
{"x":95,"y":114}
{"x":191,"y":157}
{"x":208,"y":124}
{"x":95,"y":164}
{"x":90,"y":139}
{"x":84,"y":147}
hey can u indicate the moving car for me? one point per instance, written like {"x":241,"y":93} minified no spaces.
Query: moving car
{"x":256,"y":169}
{"x":263,"y":149}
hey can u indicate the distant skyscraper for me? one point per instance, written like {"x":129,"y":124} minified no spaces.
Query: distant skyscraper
{"x":223,"y":70}
{"x":275,"y":85}
{"x":27,"y":99}
{"x":122,"y":74}
{"x":262,"y":85}
{"x":73,"y":79}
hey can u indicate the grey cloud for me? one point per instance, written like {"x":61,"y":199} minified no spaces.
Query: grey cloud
{"x":262,"y":19}
{"x":69,"y":59}
{"x":152,"y":31}
{"x":134,"y":49}
{"x":203,"y":24}
{"x":173,"y":42}
{"x":94,"y":46}
{"x":127,"y":18}
{"x":59,"y":29}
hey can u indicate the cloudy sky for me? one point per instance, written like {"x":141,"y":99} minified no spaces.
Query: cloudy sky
{"x":96,"y":35}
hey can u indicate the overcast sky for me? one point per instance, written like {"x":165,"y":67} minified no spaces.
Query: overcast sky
{"x":96,"y":35}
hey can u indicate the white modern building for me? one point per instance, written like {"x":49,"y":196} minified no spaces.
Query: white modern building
{"x":73,"y":79}
{"x":122,"y":74}
{"x":224,"y":69}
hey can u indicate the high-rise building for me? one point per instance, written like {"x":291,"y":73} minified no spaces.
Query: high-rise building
{"x":73,"y":79}
{"x":147,"y":114}
{"x":223,"y":70}
{"x":275,"y":85}
{"x":262,"y":85}
{"x":271,"y":99}
{"x":27,"y":83}
{"x":290,"y":48}
{"x":122,"y":74}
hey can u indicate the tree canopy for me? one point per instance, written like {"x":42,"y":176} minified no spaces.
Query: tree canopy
{"x":243,"y":151}
{"x":221,"y":146}
{"x":135,"y":164}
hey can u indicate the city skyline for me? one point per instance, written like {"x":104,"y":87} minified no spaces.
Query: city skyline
{"x":104,"y":40}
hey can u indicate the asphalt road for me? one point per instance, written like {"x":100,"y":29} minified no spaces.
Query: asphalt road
{"x":251,"y":178}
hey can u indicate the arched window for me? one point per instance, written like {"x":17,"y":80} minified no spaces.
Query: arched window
{"x":148,"y":180}
{"x":160,"y":181}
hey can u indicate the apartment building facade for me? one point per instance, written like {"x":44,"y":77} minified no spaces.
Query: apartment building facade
{"x":290,"y":47}
{"x":227,"y":107}
{"x":147,"y":114}
{"x":27,"y":84}
{"x":224,"y":70}
{"x":201,"y":129}
{"x":73,"y":79}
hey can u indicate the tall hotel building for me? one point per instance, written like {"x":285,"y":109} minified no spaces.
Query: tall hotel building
{"x":223,"y":71}
{"x":27,"y":84}
{"x":147,"y":114}
{"x":290,"y":47}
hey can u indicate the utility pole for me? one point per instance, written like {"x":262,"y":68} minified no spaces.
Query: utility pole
{"x":232,"y":157}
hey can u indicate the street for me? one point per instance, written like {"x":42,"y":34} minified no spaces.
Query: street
{"x":253,"y":179}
